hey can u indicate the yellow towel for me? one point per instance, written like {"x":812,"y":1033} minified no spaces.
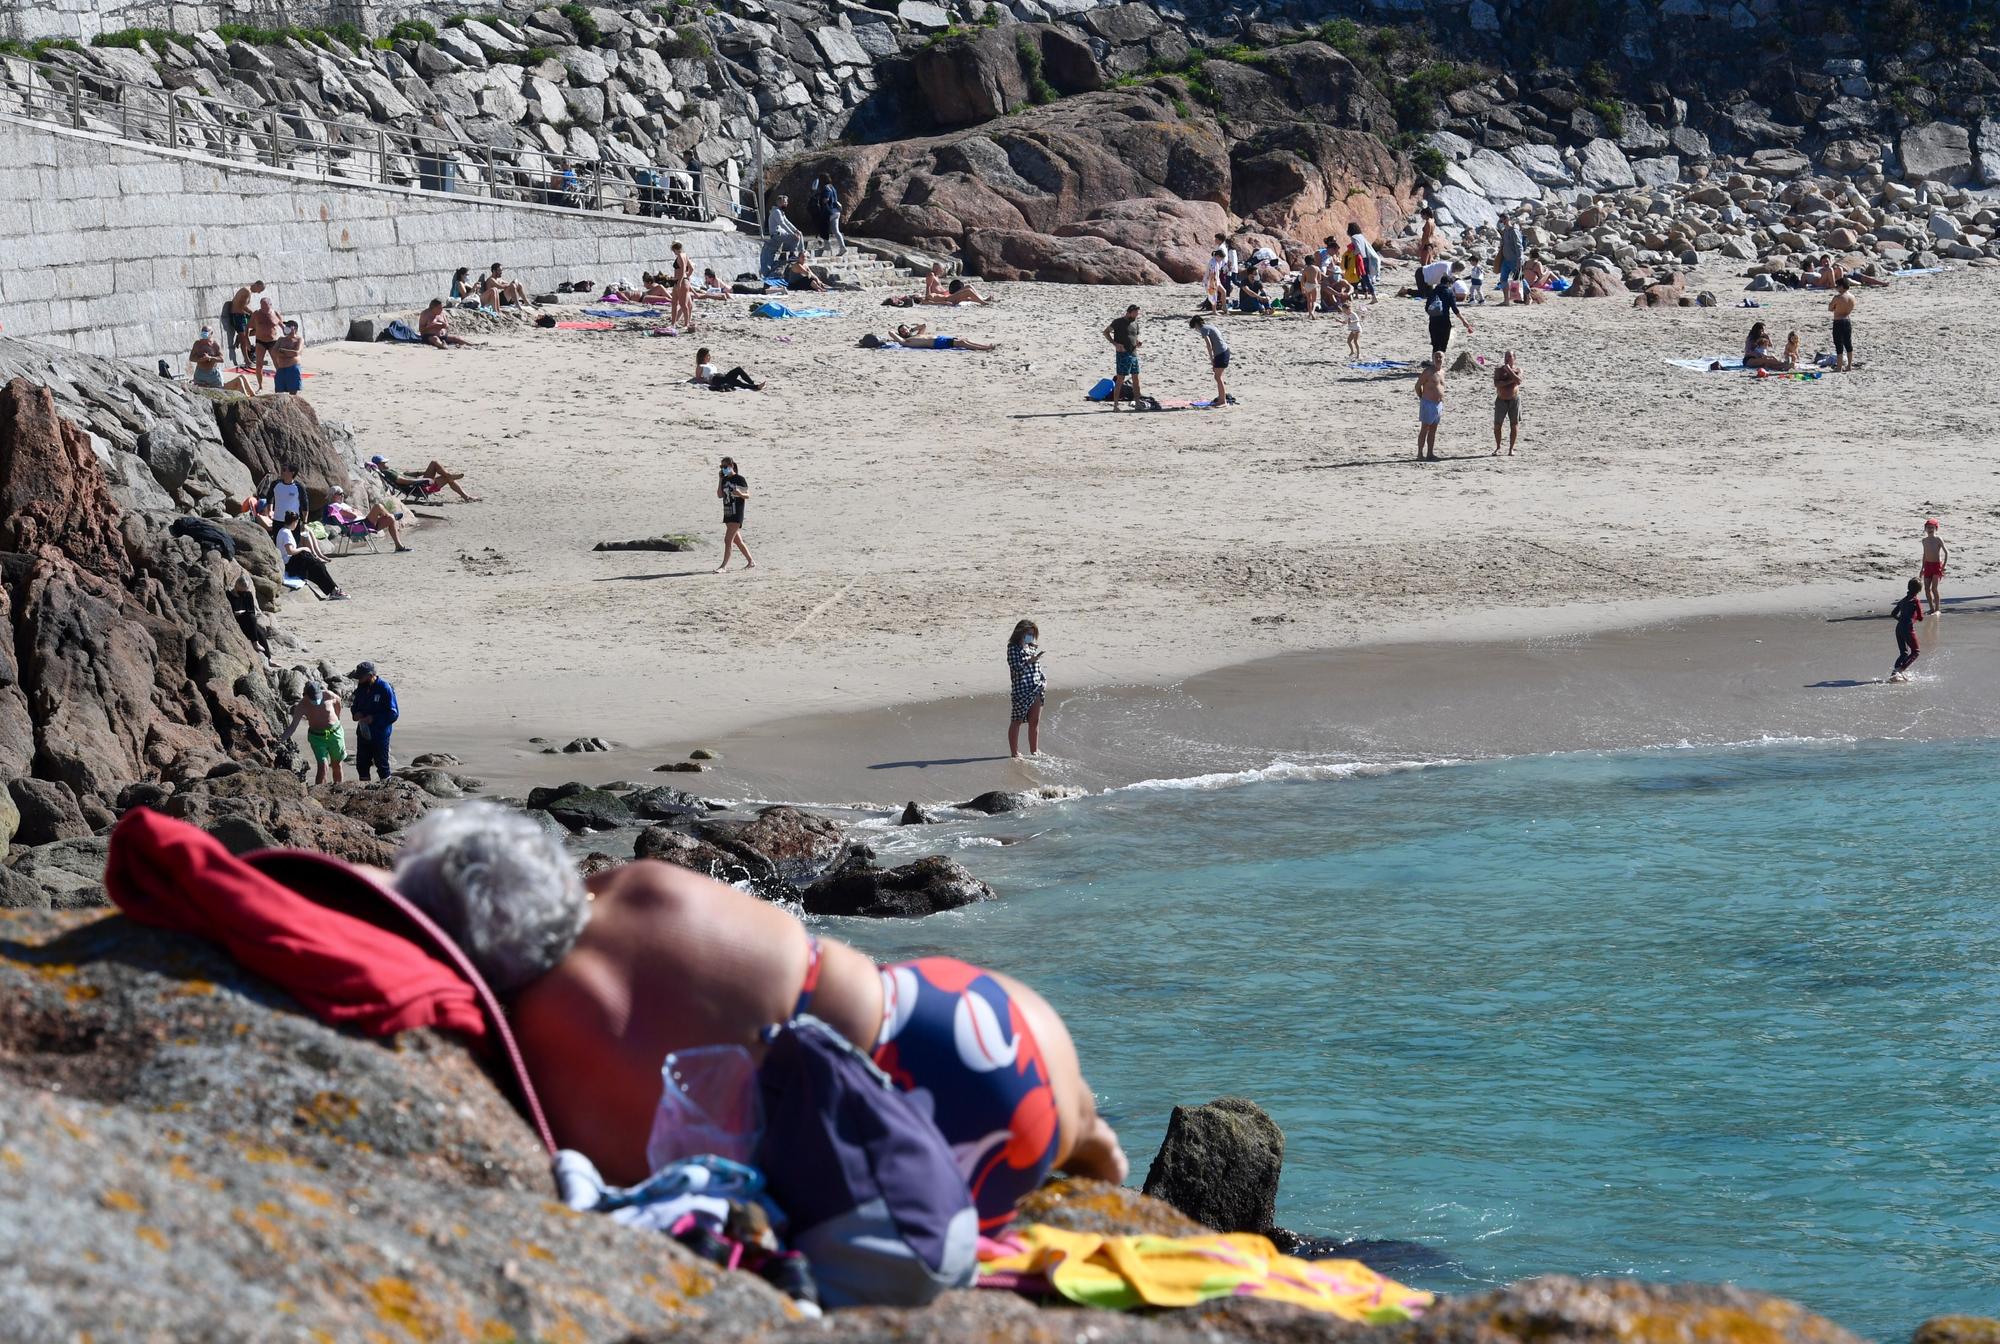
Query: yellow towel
{"x":1121,"y":1273}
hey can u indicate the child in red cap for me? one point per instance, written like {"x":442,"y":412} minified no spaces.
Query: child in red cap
{"x":1935,"y":555}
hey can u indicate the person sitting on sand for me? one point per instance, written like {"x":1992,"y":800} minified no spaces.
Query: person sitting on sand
{"x":340,"y":514}
{"x":873,"y":342}
{"x":433,"y":477}
{"x":243,"y":606}
{"x":1250,"y":295}
{"x":495,"y":289}
{"x":1791,"y":355}
{"x":1536,"y":279}
{"x":655,"y":290}
{"x":206,"y":355}
{"x":435,"y":328}
{"x":604,"y":978}
{"x":711,"y":286}
{"x":1757,"y":351}
{"x":936,"y":290}
{"x":461,"y":285}
{"x":1826,"y":273}
{"x":1030,"y":686}
{"x":799,"y":277}
{"x":299,"y":554}
{"x":705,"y":374}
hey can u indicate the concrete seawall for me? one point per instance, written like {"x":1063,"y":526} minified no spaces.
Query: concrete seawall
{"x":118,"y":249}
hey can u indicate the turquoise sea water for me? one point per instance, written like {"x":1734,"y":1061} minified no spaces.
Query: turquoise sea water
{"x":1715,"y":1015}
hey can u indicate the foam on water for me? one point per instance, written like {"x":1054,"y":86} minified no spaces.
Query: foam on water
{"x":1687,"y":1013}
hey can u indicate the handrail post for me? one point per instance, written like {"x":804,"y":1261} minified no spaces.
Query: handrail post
{"x":492,"y":175}
{"x":75,"y":102}
{"x":173,"y":119}
{"x":273,"y":122}
{"x":382,"y":155}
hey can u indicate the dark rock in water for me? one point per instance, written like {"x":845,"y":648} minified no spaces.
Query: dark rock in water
{"x":704,"y":754}
{"x":435,"y":760}
{"x":273,"y":807}
{"x":186,"y":1149}
{"x":909,"y":892}
{"x":47,"y":810}
{"x":1219,"y":1165}
{"x":678,"y":768}
{"x":1397,"y":1259}
{"x":644,"y":544}
{"x":385,"y":807}
{"x":590,"y":810}
{"x":678,"y":847}
{"x":595,"y":862}
{"x":541,"y":818}
{"x":997,"y":801}
{"x":436,"y":782}
{"x":915,"y":816}
{"x":62,"y":875}
{"x":664,"y":804}
{"x":1958,"y":1330}
{"x":540,"y":798}
{"x":583,"y":744}
{"x":796,"y":846}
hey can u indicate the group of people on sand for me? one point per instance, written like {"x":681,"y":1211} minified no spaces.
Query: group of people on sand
{"x":1758,"y":354}
{"x":493,"y":289}
{"x":1122,"y":332}
{"x":374,"y":711}
{"x":254,"y":334}
{"x":283,"y":508}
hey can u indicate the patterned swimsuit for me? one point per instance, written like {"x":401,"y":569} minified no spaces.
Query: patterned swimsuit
{"x":1028,"y":679}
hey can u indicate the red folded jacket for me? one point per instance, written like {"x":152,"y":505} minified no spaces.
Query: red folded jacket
{"x":351,"y":950}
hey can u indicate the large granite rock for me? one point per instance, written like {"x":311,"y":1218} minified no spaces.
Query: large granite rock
{"x":925,"y":887}
{"x":1307,"y":181}
{"x":1936,"y":152}
{"x":1219,"y":1164}
{"x":261,"y":809}
{"x":972,"y":79}
{"x":1176,"y":236}
{"x":1022,"y":254}
{"x":794,"y":847}
{"x":267,"y":433}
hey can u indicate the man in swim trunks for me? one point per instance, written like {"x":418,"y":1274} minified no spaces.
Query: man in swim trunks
{"x":267,"y":324}
{"x":1507,"y":403}
{"x":319,"y":709}
{"x":1841,"y":305}
{"x":206,"y":356}
{"x":1430,"y":406}
{"x":1935,"y":556}
{"x":656,"y":958}
{"x":1123,"y":333}
{"x":1218,"y":357}
{"x":236,"y":319}
{"x":285,"y":359}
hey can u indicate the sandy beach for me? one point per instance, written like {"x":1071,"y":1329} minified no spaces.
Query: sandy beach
{"x":910,"y":506}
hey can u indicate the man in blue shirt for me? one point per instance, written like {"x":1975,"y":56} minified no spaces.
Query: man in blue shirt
{"x":373,"y":705}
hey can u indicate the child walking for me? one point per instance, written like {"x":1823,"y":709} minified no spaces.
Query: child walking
{"x":1353,"y":310}
{"x":1024,"y":666}
{"x":1907,"y":613}
{"x":1935,"y":555}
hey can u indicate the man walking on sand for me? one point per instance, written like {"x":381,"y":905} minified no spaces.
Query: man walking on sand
{"x":1507,"y":403}
{"x":1218,"y":357}
{"x":319,"y":709}
{"x":1123,"y":333}
{"x":1935,"y":556}
{"x":1430,"y":407}
{"x":375,"y":715}
{"x":1842,"y":308}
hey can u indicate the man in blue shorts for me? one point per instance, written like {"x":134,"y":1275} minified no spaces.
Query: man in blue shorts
{"x":1123,"y":333}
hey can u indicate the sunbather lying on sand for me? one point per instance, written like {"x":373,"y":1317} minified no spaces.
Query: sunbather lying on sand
{"x":656,"y":958}
{"x":914,"y":341}
{"x":434,"y":475}
{"x":956,"y":292}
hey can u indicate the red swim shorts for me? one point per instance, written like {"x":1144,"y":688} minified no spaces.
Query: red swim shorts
{"x":1933,"y":569}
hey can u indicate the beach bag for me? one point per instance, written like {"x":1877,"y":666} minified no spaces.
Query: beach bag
{"x":1102,"y":391}
{"x":869,"y":1187}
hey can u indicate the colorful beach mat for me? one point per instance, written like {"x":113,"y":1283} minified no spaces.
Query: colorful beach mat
{"x":586,"y":326}
{"x":643,"y":313}
{"x":1124,"y":1273}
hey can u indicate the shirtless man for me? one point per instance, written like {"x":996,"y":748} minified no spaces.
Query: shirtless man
{"x":267,"y":325}
{"x":500,"y":289}
{"x":435,"y":328}
{"x":656,"y":958}
{"x":206,"y":356}
{"x":1427,"y":241}
{"x":1507,"y":403}
{"x":1842,"y":308}
{"x":1430,"y":406}
{"x":319,"y":709}
{"x":237,"y":320}
{"x":1935,"y":556}
{"x":285,"y":359}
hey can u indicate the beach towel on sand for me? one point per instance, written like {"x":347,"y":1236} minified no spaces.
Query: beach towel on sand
{"x":1123,"y":1273}
{"x":586,"y":326}
{"x":1710,"y":364}
{"x":399,"y":330}
{"x":639,"y":311}
{"x":772,"y":308}
{"x":1920,"y":270}
{"x":1382,"y":365}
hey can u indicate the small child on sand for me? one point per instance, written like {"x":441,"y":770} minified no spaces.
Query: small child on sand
{"x":1353,"y":313}
{"x":319,"y":709}
{"x":1907,"y":613}
{"x":1935,"y":556}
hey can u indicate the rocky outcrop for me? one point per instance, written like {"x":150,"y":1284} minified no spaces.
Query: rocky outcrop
{"x":255,"y":808}
{"x":267,"y":434}
{"x":1021,"y":254}
{"x":925,"y":887}
{"x":1219,"y":1164}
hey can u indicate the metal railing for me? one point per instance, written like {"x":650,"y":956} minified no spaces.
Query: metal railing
{"x":355,"y":149}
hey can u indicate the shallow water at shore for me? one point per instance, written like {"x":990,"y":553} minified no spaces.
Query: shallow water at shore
{"x":1698,"y":1014}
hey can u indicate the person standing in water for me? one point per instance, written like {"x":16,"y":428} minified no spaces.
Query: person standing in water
{"x":1024,"y":666}
{"x":1907,"y":613}
{"x":733,"y":490}
{"x":1935,"y":555}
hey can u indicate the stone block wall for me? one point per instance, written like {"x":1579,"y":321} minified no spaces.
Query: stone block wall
{"x":117,"y":250}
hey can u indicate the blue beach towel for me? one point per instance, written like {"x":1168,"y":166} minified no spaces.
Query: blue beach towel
{"x":1382,"y":365}
{"x":772,"y":308}
{"x":399,"y":330}
{"x":644,"y":312}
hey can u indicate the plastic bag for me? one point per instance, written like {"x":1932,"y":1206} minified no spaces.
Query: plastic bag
{"x":709,"y":1106}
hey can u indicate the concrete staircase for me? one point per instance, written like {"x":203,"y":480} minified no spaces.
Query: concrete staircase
{"x":875,"y":264}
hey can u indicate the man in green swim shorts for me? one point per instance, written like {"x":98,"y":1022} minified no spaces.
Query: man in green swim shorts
{"x":319,"y":709}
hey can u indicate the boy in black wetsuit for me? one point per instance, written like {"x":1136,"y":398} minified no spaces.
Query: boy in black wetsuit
{"x":1907,"y":613}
